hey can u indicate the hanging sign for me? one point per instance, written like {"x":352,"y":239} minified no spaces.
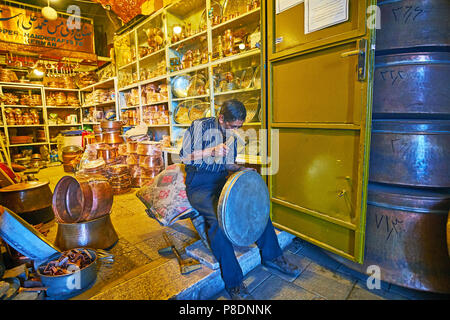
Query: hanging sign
{"x":320,"y":14}
{"x":29,"y":27}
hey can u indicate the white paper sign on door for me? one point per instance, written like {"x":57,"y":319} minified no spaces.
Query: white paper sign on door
{"x":320,"y":14}
{"x":283,"y":5}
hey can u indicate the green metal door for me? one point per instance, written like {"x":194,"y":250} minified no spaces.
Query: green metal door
{"x":318,"y":95}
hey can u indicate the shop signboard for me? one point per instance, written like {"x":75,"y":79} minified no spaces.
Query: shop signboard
{"x":27,"y":26}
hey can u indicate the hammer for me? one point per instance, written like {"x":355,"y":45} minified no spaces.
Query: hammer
{"x":186,"y":265}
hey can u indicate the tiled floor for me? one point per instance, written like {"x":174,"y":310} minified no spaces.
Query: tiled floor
{"x":139,"y":272}
{"x":321,"y":278}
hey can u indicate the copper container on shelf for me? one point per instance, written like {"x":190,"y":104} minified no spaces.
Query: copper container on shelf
{"x":97,"y":234}
{"x":149,"y":148}
{"x":82,"y":198}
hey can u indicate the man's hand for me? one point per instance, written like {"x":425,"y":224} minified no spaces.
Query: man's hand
{"x":221,"y":150}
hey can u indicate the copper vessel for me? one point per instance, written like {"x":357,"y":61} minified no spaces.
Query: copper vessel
{"x":132,"y":146}
{"x":107,"y":153}
{"x":31,"y":200}
{"x":69,"y":154}
{"x":150,"y":161}
{"x":97,"y":234}
{"x":149,"y":148}
{"x":99,"y":137}
{"x":108,"y":126}
{"x":405,"y":237}
{"x":112,"y":137}
{"x":82,"y":198}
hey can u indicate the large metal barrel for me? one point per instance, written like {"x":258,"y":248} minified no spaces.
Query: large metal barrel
{"x":413,"y":23}
{"x":410,"y":85}
{"x":409,"y":174}
{"x":410,"y":152}
{"x":405,"y":237}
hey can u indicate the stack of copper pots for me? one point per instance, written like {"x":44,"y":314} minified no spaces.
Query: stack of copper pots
{"x":119,"y":178}
{"x":148,"y":163}
{"x":82,"y":207}
{"x":71,"y":156}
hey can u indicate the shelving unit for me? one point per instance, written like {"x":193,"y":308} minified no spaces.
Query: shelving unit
{"x":135,"y":72}
{"x":62,"y":112}
{"x":107,"y":87}
{"x":52,"y":129}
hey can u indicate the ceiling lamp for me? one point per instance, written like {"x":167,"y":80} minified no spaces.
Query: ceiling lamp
{"x":39,"y":70}
{"x":49,"y":13}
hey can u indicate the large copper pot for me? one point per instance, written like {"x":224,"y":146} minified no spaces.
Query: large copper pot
{"x":410,"y":153}
{"x":82,"y":198}
{"x":32,"y":200}
{"x":412,"y":23}
{"x":409,"y":85}
{"x":97,"y":234}
{"x":405,"y":237}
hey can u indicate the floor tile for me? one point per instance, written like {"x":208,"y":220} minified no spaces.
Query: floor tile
{"x":324,"y":282}
{"x":300,"y":261}
{"x":275,"y":288}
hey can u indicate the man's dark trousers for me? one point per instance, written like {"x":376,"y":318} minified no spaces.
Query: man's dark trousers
{"x":203,"y":189}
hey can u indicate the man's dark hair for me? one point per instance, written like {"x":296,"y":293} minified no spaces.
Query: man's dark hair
{"x":233,"y":110}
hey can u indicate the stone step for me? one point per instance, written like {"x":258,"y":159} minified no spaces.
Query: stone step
{"x":248,"y":258}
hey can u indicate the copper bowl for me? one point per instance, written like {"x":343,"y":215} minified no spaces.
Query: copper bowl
{"x":149,"y":148}
{"x":97,"y":234}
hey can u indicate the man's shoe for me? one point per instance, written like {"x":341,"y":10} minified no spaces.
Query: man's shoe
{"x":239,"y":293}
{"x":281,"y":264}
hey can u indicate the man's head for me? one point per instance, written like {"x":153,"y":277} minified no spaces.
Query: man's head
{"x":232,"y":114}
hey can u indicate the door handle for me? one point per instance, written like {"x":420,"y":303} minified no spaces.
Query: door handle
{"x":350,"y":53}
{"x":361,"y":53}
